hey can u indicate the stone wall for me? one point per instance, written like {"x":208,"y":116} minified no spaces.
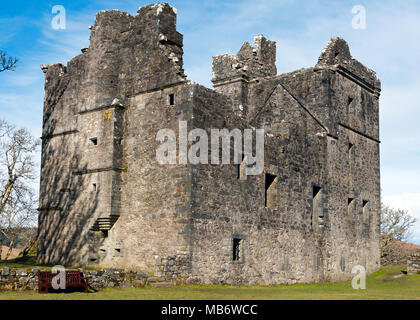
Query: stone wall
{"x":175,"y":267}
{"x":18,"y":279}
{"x":413,"y":263}
{"x":21,"y":279}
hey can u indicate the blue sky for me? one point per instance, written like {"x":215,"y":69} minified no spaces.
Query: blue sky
{"x":390,"y":45}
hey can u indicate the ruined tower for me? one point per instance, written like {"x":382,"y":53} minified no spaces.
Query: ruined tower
{"x":312,"y":215}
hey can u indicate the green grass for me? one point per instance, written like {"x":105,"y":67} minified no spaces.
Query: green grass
{"x":382,"y":285}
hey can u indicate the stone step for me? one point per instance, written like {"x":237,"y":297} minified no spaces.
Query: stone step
{"x":104,"y":223}
{"x":156,"y":279}
{"x":161,"y":284}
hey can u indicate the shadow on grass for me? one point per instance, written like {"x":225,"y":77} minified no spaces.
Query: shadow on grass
{"x":27,"y":262}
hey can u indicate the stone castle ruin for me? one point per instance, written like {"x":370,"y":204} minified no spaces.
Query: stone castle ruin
{"x":310,"y":216}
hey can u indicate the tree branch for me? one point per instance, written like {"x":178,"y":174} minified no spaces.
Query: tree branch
{"x":7,"y":63}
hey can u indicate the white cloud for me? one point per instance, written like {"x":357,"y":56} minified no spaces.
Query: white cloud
{"x":400,"y":180}
{"x":290,"y":57}
{"x":23,"y":110}
{"x":62,"y":45}
{"x":21,"y":97}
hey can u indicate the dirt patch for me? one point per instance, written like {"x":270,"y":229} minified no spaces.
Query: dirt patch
{"x":14,"y":254}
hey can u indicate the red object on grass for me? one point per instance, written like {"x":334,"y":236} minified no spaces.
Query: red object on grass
{"x":75,"y":282}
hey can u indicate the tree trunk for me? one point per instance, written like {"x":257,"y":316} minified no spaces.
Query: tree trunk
{"x":10,"y":249}
{"x":30,"y":247}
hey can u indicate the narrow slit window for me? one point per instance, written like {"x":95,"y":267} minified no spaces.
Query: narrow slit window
{"x":351,"y":151}
{"x":237,"y":248}
{"x":171,"y":99}
{"x":270,"y":191}
{"x":350,"y":207}
{"x":351,"y":109}
{"x":365,"y":210}
{"x":94,"y":187}
{"x":240,"y":169}
{"x":317,"y":209}
{"x":94,"y":141}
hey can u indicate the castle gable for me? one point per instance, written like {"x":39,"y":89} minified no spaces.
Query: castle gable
{"x":337,"y":56}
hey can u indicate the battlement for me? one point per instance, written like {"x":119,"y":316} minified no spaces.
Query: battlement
{"x":160,"y":18}
{"x":250,"y":62}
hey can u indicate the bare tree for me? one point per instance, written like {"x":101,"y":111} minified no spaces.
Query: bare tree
{"x":17,"y":221}
{"x":17,"y":172}
{"x":7,"y":63}
{"x":396,"y":223}
{"x":395,"y":228}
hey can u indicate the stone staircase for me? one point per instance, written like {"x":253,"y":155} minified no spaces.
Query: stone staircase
{"x":104,"y":224}
{"x":159,"y":282}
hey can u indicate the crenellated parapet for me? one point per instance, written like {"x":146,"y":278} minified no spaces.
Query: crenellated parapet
{"x":250,"y":62}
{"x":231,"y":73}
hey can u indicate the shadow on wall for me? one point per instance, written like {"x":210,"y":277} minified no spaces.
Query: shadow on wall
{"x":67,"y":206}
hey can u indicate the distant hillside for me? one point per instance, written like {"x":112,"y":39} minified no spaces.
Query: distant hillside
{"x":397,"y":253}
{"x":25,"y":236}
{"x":409,"y":247}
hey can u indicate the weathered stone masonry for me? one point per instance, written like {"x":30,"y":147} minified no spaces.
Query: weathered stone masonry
{"x":311,"y":216}
{"x":413,"y":263}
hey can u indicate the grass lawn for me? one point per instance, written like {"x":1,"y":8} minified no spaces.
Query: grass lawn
{"x":386,"y":284}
